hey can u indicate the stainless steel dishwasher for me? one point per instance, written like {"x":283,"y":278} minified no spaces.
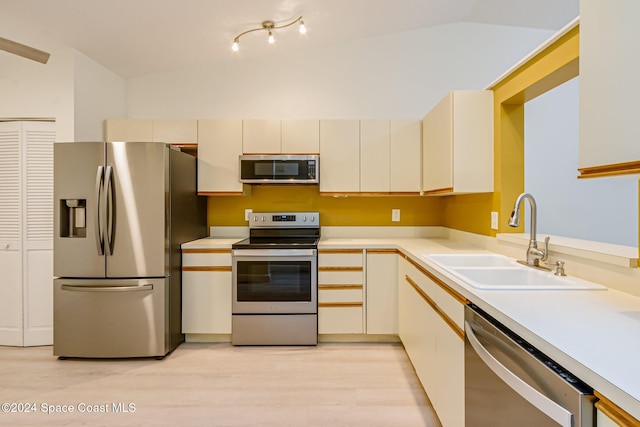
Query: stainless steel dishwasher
{"x":509,"y":383}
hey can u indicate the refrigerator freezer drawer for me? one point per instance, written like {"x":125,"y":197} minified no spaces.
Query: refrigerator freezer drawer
{"x":109,"y":318}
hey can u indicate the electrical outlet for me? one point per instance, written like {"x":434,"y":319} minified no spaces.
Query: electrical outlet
{"x":247,"y":214}
{"x":494,"y":220}
{"x":395,"y":215}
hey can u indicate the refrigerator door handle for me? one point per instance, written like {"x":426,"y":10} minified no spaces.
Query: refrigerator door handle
{"x":136,"y":288}
{"x":98,"y":227}
{"x":111,"y":207}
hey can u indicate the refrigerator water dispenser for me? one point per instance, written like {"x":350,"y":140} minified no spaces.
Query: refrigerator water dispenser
{"x":73,"y":218}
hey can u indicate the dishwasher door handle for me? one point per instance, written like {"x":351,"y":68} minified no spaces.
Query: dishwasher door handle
{"x":533,"y":396}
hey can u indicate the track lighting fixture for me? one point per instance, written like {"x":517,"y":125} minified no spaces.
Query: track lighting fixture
{"x":268,"y":26}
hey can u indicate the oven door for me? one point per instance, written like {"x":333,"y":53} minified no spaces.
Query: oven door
{"x":275,"y":281}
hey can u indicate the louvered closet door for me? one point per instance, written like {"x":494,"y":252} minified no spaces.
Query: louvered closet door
{"x":38,"y":139}
{"x":26,"y":232}
{"x":10,"y":235}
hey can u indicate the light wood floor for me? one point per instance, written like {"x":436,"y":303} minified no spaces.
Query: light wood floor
{"x":369,"y":384}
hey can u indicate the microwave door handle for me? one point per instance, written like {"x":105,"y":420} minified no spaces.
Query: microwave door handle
{"x":533,"y":396}
{"x":98,"y":226}
{"x":111,"y":210}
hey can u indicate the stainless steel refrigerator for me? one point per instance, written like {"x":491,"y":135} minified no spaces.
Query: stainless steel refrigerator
{"x":122,"y":210}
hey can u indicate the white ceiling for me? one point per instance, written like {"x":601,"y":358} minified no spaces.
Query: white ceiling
{"x":139,"y":37}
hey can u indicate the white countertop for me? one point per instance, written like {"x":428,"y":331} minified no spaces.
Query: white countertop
{"x":595,"y":334}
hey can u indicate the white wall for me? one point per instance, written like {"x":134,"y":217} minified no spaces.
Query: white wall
{"x":71,"y":88}
{"x":600,"y":209}
{"x":31,"y":89}
{"x":98,"y":94}
{"x":395,"y":76}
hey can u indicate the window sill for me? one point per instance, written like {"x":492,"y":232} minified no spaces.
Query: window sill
{"x":622,"y":256}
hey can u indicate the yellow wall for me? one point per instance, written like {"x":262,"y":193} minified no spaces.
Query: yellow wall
{"x":334,"y":211}
{"x":552,"y":66}
{"x":557,"y":63}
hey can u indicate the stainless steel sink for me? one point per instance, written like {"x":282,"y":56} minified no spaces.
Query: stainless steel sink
{"x":498,"y":272}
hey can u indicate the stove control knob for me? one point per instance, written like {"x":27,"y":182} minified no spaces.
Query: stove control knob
{"x":264,"y":218}
{"x":304,"y":218}
{"x":313,"y":218}
{"x":255,"y":218}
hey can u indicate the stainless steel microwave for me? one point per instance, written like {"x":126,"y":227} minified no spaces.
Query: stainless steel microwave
{"x":279,"y":168}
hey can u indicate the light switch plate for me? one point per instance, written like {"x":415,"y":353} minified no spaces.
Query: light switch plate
{"x":395,"y":215}
{"x":247,"y":214}
{"x":494,"y":220}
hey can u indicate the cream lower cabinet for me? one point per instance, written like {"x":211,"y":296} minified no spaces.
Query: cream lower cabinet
{"x":430,"y":325}
{"x":382,"y":291}
{"x":608,"y":414}
{"x":340,"y":291}
{"x":206,"y":291}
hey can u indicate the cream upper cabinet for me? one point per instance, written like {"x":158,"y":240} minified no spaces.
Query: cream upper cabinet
{"x":219,"y":149}
{"x":286,"y":136}
{"x":261,"y":136}
{"x":175,"y":131}
{"x":339,"y":156}
{"x":457,"y":150}
{"x":404,"y":155}
{"x":169,"y":131}
{"x":300,"y":136}
{"x":128,"y":130}
{"x":374,"y":156}
{"x":609,"y":89}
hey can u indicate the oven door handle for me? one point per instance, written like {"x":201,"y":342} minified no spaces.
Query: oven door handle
{"x":273,"y":252}
{"x":533,"y":396}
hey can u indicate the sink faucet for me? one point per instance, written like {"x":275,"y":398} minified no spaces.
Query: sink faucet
{"x":534,"y":255}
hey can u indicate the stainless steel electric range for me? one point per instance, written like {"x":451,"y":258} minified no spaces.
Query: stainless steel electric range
{"x":275,"y":280}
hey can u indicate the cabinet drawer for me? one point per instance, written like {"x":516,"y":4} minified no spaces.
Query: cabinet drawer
{"x":340,"y":320}
{"x":340,"y":278}
{"x":337,"y":294}
{"x":347,"y":258}
{"x":206,"y":258}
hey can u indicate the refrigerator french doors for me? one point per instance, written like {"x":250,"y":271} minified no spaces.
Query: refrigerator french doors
{"x":121,"y":212}
{"x":111,"y":217}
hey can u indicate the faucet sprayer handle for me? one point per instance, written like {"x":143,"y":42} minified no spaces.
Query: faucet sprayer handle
{"x":546,"y":248}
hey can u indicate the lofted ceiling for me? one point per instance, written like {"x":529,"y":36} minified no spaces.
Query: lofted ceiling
{"x":140,"y":37}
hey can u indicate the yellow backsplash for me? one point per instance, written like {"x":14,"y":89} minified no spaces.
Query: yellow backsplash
{"x":353,"y":210}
